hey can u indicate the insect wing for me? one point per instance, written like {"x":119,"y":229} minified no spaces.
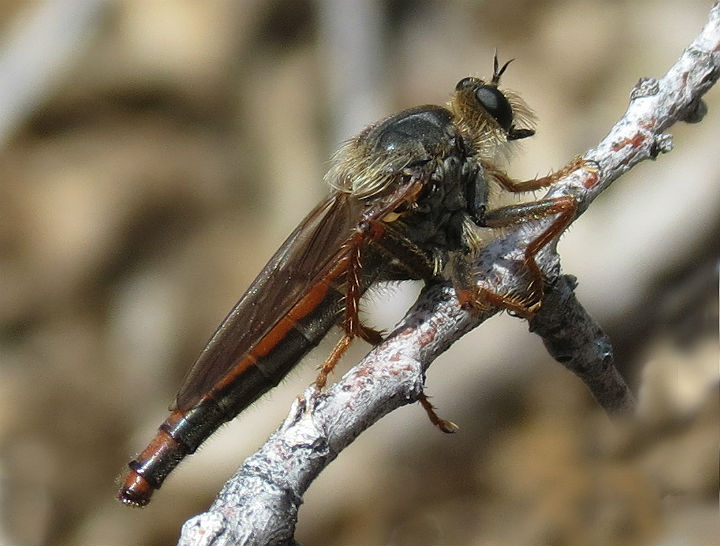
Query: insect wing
{"x":313,"y":249}
{"x":289,"y":274}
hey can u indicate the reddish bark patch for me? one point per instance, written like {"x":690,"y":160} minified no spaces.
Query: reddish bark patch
{"x":591,"y":180}
{"x":635,"y":142}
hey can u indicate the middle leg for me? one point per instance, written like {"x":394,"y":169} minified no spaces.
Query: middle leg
{"x":525,"y":305}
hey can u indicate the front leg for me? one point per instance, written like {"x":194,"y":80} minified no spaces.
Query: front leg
{"x":515,"y":186}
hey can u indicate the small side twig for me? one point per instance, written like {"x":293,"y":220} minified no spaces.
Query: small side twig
{"x":259,"y":504}
{"x":578,"y":342}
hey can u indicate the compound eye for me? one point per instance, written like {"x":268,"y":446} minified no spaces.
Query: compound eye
{"x":496,"y":105}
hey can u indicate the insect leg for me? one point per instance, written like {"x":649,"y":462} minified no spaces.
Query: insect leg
{"x":564,"y":208}
{"x":332,"y":360}
{"x":443,"y":424}
{"x":517,"y":186}
{"x":406,"y":261}
{"x":409,"y":261}
{"x":366,"y":232}
{"x":403,"y":259}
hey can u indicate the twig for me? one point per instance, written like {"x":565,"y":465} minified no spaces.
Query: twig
{"x":259,"y":504}
{"x":576,"y":340}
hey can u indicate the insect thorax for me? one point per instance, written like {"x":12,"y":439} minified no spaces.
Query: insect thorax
{"x":369,"y":163}
{"x":422,"y":142}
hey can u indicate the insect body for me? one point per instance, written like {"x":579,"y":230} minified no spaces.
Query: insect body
{"x":408,"y":194}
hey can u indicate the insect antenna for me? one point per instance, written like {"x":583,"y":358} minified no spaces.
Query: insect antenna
{"x":497,"y":73}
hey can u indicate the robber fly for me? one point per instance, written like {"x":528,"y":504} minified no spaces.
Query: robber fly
{"x":408,"y":195}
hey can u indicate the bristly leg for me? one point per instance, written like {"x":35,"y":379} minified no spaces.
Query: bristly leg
{"x":565,"y":209}
{"x":516,"y":186}
{"x":526,"y":304}
{"x":444,"y":425}
{"x":330,"y":362}
{"x":352,"y":326}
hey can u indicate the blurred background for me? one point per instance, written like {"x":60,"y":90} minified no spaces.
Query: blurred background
{"x":153,"y":156}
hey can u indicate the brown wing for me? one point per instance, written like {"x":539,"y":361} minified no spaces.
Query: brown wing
{"x":277,"y":288}
{"x":308,"y":254}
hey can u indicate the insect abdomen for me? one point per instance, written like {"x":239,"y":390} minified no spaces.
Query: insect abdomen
{"x":184,"y":430}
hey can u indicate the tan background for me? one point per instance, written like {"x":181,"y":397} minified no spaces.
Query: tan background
{"x":180,"y":142}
